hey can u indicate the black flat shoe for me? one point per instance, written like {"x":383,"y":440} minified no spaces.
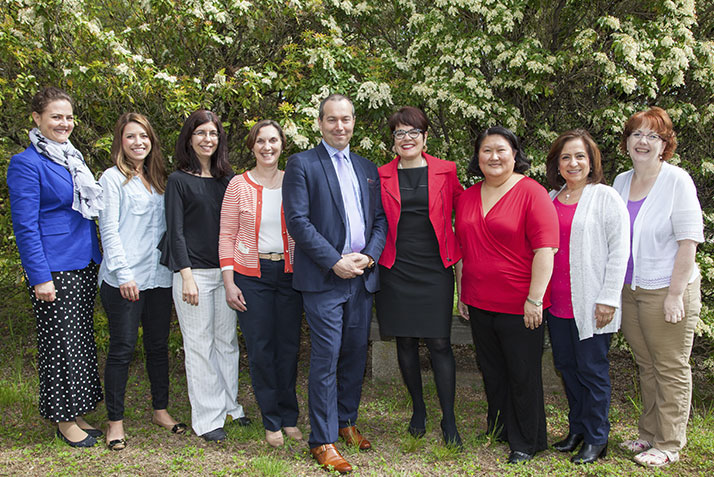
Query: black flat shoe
{"x":179,"y":428}
{"x":88,"y":441}
{"x":417,"y":430}
{"x":451,"y":436}
{"x":243,"y":421}
{"x":96,"y":433}
{"x":589,"y":453}
{"x":516,"y":457}
{"x":569,"y":444}
{"x":117,"y":444}
{"x":216,"y":435}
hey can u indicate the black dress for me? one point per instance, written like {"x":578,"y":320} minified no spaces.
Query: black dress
{"x":416,"y":295}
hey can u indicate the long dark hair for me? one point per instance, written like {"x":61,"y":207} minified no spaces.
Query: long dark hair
{"x":186,"y":159}
{"x":154,"y":169}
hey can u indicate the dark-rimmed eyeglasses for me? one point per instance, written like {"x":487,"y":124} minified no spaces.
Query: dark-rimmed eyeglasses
{"x":412,"y":133}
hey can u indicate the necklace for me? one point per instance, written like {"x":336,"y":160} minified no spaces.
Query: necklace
{"x":575,"y":193}
{"x":273,"y":182}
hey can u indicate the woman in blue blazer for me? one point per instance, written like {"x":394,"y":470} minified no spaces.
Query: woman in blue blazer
{"x":54,"y":200}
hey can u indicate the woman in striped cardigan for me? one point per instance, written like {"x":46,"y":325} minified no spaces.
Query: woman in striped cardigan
{"x":256,"y":255}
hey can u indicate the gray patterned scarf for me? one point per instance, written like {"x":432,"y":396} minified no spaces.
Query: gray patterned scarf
{"x":88,"y":194}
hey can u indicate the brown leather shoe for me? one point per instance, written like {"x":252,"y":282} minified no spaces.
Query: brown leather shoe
{"x":352,"y":437}
{"x":329,"y":458}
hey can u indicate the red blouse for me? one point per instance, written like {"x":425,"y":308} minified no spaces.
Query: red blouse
{"x":498,"y":249}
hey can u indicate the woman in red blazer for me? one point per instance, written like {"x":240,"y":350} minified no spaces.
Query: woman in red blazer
{"x":416,"y":276}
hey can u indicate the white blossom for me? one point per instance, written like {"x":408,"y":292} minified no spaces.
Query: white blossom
{"x":377,"y":94}
{"x":166,"y":77}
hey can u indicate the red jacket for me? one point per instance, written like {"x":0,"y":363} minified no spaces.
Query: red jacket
{"x":444,"y":191}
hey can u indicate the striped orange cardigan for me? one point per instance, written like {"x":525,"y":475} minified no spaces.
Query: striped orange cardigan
{"x":240,"y":225}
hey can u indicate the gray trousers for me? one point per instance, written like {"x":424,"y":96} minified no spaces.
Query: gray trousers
{"x":211,"y":348}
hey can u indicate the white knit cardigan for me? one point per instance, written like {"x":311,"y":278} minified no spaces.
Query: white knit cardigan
{"x":670,"y":212}
{"x":599,"y":250}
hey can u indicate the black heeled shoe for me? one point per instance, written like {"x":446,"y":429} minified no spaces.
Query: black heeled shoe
{"x":451,"y":436}
{"x":569,"y":444}
{"x":414,"y":428}
{"x":589,"y":453}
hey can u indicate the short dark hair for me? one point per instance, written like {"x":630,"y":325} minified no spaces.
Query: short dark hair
{"x":522,"y":162}
{"x":255,"y":130}
{"x":334,"y":97}
{"x":660,"y":122}
{"x":410,"y":115}
{"x":552,"y":161}
{"x":186,"y":159}
{"x":46,"y":96}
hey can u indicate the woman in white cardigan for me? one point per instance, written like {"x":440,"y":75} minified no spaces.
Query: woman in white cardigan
{"x":661,"y":297}
{"x":588,"y":273}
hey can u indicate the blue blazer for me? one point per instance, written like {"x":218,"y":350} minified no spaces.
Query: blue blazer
{"x":50,"y":236}
{"x":315,"y":218}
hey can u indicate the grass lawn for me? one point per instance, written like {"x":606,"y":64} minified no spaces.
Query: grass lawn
{"x":28,"y":445}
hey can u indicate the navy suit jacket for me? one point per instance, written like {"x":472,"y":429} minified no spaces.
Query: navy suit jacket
{"x":50,"y":236}
{"x":315,"y":217}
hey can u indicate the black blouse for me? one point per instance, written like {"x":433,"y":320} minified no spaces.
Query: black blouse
{"x":193,"y":216}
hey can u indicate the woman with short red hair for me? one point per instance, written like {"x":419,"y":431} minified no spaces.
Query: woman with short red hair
{"x":661,"y":297}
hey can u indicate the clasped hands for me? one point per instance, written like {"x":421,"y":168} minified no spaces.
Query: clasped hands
{"x":351,"y":265}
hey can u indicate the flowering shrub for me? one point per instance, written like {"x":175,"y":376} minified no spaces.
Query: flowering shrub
{"x":538,"y":68}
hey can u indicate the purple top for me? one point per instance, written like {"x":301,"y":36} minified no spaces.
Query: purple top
{"x":633,"y":207}
{"x":560,"y":296}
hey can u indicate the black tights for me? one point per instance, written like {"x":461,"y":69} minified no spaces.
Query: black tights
{"x":444,"y":368}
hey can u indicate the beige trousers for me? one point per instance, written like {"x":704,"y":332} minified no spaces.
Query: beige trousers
{"x":662,"y":353}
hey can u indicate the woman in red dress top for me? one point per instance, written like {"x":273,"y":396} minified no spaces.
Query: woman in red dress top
{"x":508,"y":230}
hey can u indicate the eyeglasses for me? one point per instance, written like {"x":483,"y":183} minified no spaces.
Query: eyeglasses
{"x":412,"y":133}
{"x":202,"y":134}
{"x":650,"y":137}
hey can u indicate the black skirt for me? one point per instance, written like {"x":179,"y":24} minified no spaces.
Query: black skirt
{"x":416,"y":295}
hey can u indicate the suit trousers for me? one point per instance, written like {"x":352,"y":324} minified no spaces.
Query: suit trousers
{"x":662,"y":352}
{"x":585,"y":369}
{"x":509,"y":355}
{"x":211,"y":347}
{"x":153,"y":312}
{"x":339,"y":327}
{"x":271,"y":329}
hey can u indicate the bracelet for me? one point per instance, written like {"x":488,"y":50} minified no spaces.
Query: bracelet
{"x":534,"y":302}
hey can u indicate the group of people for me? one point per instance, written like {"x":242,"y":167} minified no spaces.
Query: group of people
{"x":326,"y":235}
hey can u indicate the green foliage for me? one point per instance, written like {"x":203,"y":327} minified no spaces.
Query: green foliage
{"x":537,"y":67}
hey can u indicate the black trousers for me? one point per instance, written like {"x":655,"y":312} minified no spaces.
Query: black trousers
{"x":271,"y":328}
{"x":153,"y":312}
{"x":509,"y":355}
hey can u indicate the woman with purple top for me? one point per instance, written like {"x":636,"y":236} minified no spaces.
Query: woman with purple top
{"x":586,"y":285}
{"x":661,"y":297}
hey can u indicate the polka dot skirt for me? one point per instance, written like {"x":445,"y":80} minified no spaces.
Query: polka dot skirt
{"x":66,"y":351}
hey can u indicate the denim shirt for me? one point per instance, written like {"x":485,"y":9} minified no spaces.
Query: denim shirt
{"x":131,"y":226}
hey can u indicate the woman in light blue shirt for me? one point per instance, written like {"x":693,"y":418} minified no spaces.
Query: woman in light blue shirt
{"x":135,"y":289}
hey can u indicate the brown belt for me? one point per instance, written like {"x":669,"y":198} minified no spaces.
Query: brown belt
{"x":275,"y":257}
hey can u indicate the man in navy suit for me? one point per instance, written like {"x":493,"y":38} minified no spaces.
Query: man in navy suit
{"x":333,"y":210}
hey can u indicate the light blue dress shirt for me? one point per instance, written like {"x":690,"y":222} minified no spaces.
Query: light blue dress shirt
{"x":131,"y":226}
{"x":355,"y":182}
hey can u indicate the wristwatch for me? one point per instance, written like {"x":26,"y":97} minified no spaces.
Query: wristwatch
{"x":371,"y":262}
{"x":534,"y":302}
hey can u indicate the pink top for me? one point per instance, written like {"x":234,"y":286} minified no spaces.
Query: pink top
{"x":498,"y":249}
{"x":560,"y":296}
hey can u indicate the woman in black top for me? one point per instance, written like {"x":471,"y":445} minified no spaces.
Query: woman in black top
{"x":194,"y":194}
